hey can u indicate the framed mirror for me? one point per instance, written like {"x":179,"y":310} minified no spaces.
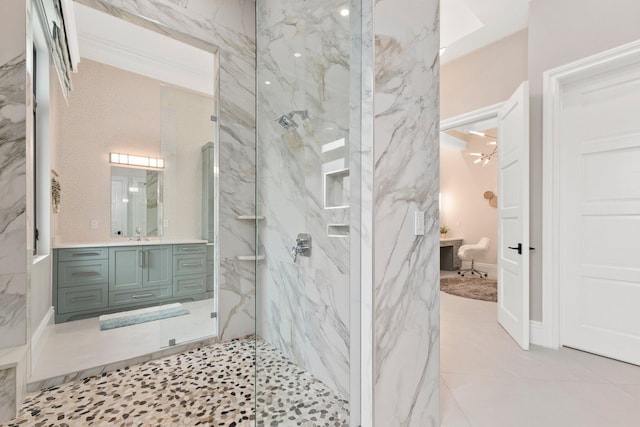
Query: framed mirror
{"x":136,"y":202}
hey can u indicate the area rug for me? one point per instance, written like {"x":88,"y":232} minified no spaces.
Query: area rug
{"x":143,"y":315}
{"x":471,"y":287}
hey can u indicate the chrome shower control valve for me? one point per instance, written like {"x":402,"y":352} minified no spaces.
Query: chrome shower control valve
{"x":302,"y":247}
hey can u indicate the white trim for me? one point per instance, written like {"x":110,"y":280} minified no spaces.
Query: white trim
{"x":71,"y":31}
{"x":39,"y":336}
{"x":484,"y":113}
{"x":552,"y":262}
{"x":536,"y":334}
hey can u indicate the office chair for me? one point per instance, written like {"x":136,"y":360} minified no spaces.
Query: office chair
{"x":470,"y":253}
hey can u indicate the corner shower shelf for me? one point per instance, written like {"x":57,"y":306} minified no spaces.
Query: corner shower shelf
{"x":250,"y":258}
{"x":249,"y":217}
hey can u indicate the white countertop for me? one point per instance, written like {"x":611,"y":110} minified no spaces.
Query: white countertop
{"x":126,"y":242}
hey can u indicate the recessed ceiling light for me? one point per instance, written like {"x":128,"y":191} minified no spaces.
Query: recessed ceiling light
{"x":443,"y":50}
{"x":344,"y":12}
{"x":267,"y":82}
{"x":297,"y":54}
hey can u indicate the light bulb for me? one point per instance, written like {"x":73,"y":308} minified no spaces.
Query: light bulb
{"x":344,"y":12}
{"x":476,"y":133}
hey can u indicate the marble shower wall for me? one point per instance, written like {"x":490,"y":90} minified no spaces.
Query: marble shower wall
{"x":229,"y":25}
{"x":405,"y":179}
{"x":13,"y":175}
{"x":303,"y":308}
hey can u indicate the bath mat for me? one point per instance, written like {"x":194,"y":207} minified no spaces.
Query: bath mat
{"x":143,"y":315}
{"x":471,"y":287}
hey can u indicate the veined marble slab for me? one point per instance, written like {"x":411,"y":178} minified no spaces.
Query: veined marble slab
{"x":303,"y":51}
{"x":13,"y":179}
{"x":406,"y":314}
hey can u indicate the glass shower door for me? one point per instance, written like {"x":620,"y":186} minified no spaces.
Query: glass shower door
{"x":308,"y":109}
{"x":189,"y":138}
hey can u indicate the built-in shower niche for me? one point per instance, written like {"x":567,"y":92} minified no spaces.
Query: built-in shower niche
{"x":336,"y":189}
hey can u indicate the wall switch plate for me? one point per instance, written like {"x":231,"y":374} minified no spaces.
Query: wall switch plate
{"x":93,"y":224}
{"x":419,"y":223}
{"x":165,"y":223}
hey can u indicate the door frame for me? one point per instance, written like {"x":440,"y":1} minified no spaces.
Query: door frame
{"x":485,"y":113}
{"x":554,"y":82}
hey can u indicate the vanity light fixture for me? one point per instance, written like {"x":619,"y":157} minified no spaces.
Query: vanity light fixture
{"x":297,"y":54}
{"x":344,"y":12}
{"x":267,"y":82}
{"x":131,"y":160}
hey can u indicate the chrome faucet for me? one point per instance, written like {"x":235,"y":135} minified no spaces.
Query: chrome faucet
{"x":302,"y":247}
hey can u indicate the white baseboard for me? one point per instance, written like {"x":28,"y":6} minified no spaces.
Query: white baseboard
{"x":535,"y":332}
{"x":490,"y":269}
{"x":39,"y":335}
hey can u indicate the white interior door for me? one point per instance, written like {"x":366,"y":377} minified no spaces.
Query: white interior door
{"x":600,"y":214}
{"x":513,"y":216}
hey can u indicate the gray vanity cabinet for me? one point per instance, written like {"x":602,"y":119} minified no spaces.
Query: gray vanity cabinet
{"x":189,"y":270}
{"x":140,"y":274}
{"x":88,"y":282}
{"x":80,"y":277}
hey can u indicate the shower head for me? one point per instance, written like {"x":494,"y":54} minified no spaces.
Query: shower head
{"x":287,"y":122}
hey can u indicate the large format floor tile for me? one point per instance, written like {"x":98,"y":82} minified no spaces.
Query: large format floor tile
{"x":81,"y":345}
{"x":487,"y":380}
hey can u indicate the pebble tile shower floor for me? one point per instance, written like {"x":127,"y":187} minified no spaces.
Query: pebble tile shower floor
{"x":210,"y":386}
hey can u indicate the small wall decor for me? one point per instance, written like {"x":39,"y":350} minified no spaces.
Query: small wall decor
{"x":492,"y":198}
{"x":56,"y":190}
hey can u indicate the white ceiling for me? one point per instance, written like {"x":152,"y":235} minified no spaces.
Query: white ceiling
{"x":121,"y":44}
{"x":468,"y":25}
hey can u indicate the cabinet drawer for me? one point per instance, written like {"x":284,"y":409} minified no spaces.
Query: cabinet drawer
{"x":140,"y":296}
{"x":194,"y":248}
{"x":188,"y":285}
{"x":188,"y":264}
{"x":80,"y":298}
{"x":82,"y":273}
{"x":80,"y":254}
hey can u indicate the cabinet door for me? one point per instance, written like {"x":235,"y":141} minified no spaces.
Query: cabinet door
{"x":158,"y":267}
{"x":125,"y":268}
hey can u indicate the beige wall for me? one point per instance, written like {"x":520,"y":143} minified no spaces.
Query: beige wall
{"x":186,"y":127}
{"x":484,"y":77}
{"x":112,"y":110}
{"x":561,"y":32}
{"x":462,"y":185}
